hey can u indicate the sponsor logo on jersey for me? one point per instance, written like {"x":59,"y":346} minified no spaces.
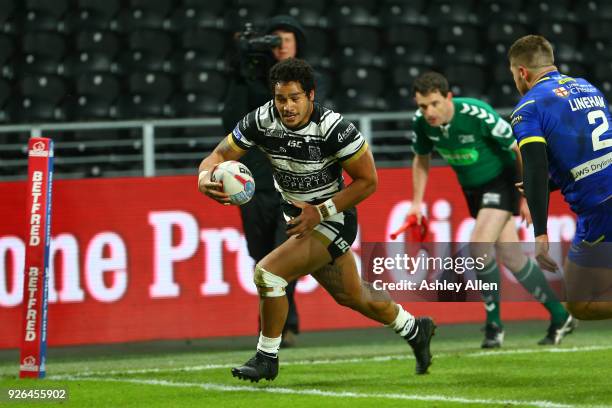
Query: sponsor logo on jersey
{"x":561,"y":92}
{"x":341,"y":136}
{"x":278,"y":133}
{"x":303,"y":183}
{"x":237,"y":133}
{"x":459,"y":157}
{"x":315,"y":152}
{"x":591,"y":167}
{"x":576,"y":88}
{"x":516,"y":120}
{"x":466,"y":138}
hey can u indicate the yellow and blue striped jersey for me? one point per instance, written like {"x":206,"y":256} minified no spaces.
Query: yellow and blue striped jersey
{"x":572,"y":118}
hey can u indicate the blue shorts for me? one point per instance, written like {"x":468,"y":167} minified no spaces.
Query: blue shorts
{"x":592,"y":244}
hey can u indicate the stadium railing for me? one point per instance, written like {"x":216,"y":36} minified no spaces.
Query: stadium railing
{"x":168,"y":147}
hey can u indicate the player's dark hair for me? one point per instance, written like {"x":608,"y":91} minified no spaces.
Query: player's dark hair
{"x":531,"y":51}
{"x":293,"y":69}
{"x":430,"y":82}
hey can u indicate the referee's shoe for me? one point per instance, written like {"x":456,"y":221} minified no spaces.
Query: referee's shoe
{"x":556,"y":332}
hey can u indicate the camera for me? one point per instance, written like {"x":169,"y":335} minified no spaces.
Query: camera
{"x":254,"y":52}
{"x":250,"y":42}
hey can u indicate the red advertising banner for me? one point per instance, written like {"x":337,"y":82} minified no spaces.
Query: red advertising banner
{"x":151,"y":258}
{"x":37,"y":243}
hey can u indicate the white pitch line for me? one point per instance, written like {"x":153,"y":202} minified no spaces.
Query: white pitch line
{"x":231,"y":365}
{"x":205,"y":367}
{"x":540,"y":350}
{"x":317,"y":392}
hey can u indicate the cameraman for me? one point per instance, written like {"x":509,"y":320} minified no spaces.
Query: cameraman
{"x":263,"y":222}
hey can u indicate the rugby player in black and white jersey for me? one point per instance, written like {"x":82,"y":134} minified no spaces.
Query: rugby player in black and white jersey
{"x":308,"y":147}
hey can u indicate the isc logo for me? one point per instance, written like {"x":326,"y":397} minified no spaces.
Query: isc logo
{"x":294,"y":143}
{"x":342,"y":245}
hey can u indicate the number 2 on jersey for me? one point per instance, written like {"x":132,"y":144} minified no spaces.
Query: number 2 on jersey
{"x":599,"y":130}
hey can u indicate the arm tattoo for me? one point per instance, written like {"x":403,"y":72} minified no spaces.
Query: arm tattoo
{"x":224,"y":148}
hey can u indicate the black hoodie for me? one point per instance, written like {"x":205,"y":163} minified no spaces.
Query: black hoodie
{"x":245,"y":95}
{"x":288,"y":23}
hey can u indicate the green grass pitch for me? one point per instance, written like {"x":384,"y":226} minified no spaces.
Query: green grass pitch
{"x":352,"y":368}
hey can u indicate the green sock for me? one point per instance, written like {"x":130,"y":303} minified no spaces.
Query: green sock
{"x":490,"y":274}
{"x":532,"y":278}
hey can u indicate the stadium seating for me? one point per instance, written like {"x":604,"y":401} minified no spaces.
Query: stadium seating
{"x":309,"y":15}
{"x":142,"y":15}
{"x":201,"y":48}
{"x":7,"y":8}
{"x":595,"y":10}
{"x":408,"y":44}
{"x":68,"y":39}
{"x":196,"y":14}
{"x":7,"y":48}
{"x":5,"y":93}
{"x":467,"y":79}
{"x":111,"y":59}
{"x":94,"y":14}
{"x":505,"y":32}
{"x":550,"y":10}
{"x":451,"y":11}
{"x":45,"y":15}
{"x":95,"y":95}
{"x":400,"y":12}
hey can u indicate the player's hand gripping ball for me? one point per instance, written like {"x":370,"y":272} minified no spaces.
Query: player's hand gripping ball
{"x":236,"y":179}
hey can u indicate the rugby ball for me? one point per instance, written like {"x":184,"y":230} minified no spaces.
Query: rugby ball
{"x":236,"y":179}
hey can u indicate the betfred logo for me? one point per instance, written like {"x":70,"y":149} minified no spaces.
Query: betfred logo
{"x":561,"y":92}
{"x":36,"y":215}
{"x":39,"y":149}
{"x":29,"y":364}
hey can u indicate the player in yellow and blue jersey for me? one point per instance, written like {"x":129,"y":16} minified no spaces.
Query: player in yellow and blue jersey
{"x":562,"y":125}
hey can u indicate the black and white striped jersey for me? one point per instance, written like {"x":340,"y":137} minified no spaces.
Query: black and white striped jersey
{"x":305,"y":161}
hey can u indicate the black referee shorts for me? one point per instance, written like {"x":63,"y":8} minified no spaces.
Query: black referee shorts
{"x":499,"y":193}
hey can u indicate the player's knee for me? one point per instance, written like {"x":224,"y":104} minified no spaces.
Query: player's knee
{"x":269,"y":284}
{"x":480,"y":234}
{"x":512,"y":261}
{"x":481,"y":249}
